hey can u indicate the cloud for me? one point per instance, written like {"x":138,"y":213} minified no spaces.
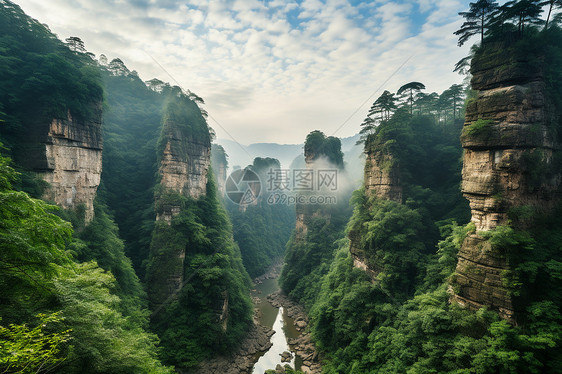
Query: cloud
{"x":271,"y":70}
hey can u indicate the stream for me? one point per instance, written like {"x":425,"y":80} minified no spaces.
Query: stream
{"x":284,"y":327}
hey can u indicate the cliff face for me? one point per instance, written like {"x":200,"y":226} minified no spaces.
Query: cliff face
{"x":183,"y":169}
{"x":509,"y":162}
{"x":220,"y":173}
{"x":67,"y":154}
{"x":305,"y":212}
{"x":382,"y":176}
{"x":382,"y":180}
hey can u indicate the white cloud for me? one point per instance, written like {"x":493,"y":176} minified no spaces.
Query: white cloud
{"x":266,"y":76}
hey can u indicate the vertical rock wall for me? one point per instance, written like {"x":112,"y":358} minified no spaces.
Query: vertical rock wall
{"x":382,"y":180}
{"x":183,"y":169}
{"x":510,"y":149}
{"x":67,"y":154}
{"x":382,"y":176}
{"x":305,"y":212}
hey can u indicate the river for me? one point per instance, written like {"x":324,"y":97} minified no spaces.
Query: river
{"x":284,"y":327}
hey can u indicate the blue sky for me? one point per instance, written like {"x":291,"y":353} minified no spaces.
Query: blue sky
{"x":272,"y":70}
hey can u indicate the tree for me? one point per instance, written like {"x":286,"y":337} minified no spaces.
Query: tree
{"x":385,"y":104}
{"x":478,"y":20}
{"x":75,"y":44}
{"x":454,"y":94}
{"x":425,"y":103}
{"x":36,"y":350}
{"x":522,"y":13}
{"x":551,"y":5}
{"x":117,"y":67}
{"x":443,"y":104}
{"x":408,"y":90}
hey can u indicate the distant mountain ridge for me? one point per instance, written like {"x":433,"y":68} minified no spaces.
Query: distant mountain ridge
{"x":243,"y":155}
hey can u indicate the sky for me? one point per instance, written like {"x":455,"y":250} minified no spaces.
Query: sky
{"x":272,"y":70}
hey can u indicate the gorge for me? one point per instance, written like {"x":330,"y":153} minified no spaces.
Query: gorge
{"x":123,"y":250}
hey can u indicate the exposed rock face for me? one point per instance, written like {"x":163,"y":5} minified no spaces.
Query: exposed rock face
{"x":382,"y":180}
{"x":183,"y":169}
{"x":67,"y":154}
{"x":220,"y":174}
{"x":510,"y":150}
{"x":382,"y":176}
{"x":305,"y":212}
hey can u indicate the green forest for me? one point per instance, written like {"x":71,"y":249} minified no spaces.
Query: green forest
{"x":261,"y":230}
{"x":403,"y":320}
{"x":141,"y":263}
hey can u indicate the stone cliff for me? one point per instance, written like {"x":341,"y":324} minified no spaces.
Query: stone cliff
{"x":183,"y":169}
{"x":67,"y":154}
{"x":381,"y":180}
{"x":382,"y":175}
{"x":509,"y":163}
{"x":305,"y":212}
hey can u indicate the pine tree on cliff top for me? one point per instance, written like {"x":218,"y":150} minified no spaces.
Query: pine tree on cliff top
{"x":478,"y":20}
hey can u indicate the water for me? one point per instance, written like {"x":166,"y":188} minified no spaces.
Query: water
{"x":284,"y":327}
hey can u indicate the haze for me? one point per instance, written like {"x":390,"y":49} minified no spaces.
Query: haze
{"x":272,"y":71}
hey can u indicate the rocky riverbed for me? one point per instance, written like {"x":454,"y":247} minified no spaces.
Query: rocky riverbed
{"x":303,"y":345}
{"x":241,"y":361}
{"x":258,"y":339}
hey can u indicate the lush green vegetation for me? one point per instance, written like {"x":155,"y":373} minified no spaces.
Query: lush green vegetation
{"x":211,"y":310}
{"x":309,"y":253}
{"x":261,"y":230}
{"x":190,"y":326}
{"x":131,"y":127}
{"x":79,"y":321}
{"x":72,"y":299}
{"x":403,"y":322}
{"x":40,"y":79}
{"x":364,"y":328}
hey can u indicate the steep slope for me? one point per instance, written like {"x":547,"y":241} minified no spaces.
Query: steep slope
{"x":511,"y":166}
{"x":51,"y":105}
{"x":132,"y":124}
{"x":197,"y":286}
{"x":318,"y":226}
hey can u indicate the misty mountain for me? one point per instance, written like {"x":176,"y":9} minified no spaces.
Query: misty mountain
{"x":243,"y":155}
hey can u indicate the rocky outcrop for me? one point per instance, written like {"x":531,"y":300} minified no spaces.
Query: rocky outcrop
{"x":183,"y":168}
{"x":67,"y":154}
{"x":184,"y":163}
{"x":382,"y":181}
{"x":219,"y":164}
{"x":382,"y":176}
{"x":509,"y":163}
{"x":220,"y":173}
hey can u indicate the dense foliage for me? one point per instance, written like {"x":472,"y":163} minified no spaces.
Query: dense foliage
{"x":132,"y":122}
{"x":189,"y":326}
{"x":403,"y":321}
{"x":81,"y":324}
{"x":71,"y":298}
{"x":261,"y":230}
{"x":310,"y":252}
{"x":40,"y":79}
{"x":211,"y":310}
